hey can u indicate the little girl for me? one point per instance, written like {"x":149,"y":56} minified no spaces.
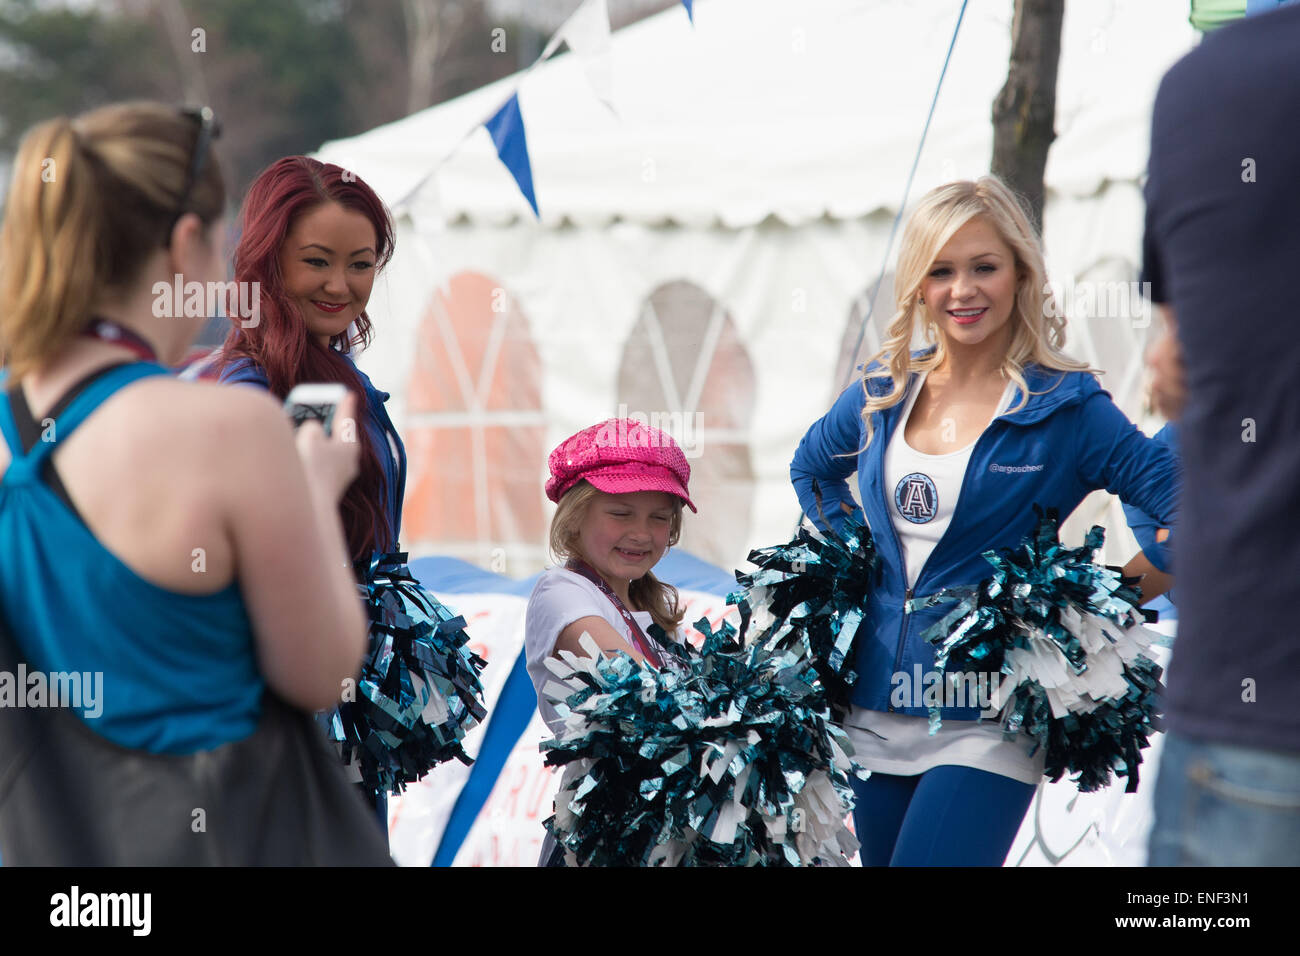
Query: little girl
{"x":620,"y":487}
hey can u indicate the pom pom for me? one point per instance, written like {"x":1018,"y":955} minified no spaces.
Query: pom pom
{"x":1067,"y":636}
{"x":819,"y":586}
{"x":725,"y":757}
{"x":419,"y":691}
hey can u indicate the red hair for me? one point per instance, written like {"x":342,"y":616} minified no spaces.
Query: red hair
{"x":280,"y":344}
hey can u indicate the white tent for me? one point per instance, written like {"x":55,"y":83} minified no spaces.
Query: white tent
{"x":704,"y":253}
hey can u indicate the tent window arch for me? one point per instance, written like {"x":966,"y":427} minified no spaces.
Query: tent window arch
{"x":685,"y":369}
{"x":882,"y":313}
{"x":475,"y":429}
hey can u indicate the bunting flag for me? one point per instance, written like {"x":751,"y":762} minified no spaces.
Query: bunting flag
{"x":507,"y":130}
{"x":587,"y":33}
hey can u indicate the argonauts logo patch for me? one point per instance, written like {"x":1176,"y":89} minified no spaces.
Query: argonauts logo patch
{"x":916,"y":498}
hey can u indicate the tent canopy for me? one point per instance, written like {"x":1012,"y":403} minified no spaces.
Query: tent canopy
{"x":710,"y":251}
{"x":796,"y":111}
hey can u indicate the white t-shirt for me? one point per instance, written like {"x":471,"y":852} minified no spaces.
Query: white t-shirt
{"x":923,"y":489}
{"x":561,"y":597}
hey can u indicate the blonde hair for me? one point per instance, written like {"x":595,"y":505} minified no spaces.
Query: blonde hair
{"x":91,"y":198}
{"x":647,"y":593}
{"x":1038,"y":326}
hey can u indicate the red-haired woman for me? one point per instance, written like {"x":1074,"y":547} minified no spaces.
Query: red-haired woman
{"x":313,"y":238}
{"x":313,"y":241}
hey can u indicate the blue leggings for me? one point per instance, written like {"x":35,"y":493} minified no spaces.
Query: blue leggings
{"x":947,"y":816}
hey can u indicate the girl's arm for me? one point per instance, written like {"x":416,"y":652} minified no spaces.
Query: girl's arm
{"x":1112,"y":453}
{"x":1154,"y":581}
{"x":606,"y":638}
{"x":290,"y":555}
{"x":827,"y":455}
{"x":1151,"y":538}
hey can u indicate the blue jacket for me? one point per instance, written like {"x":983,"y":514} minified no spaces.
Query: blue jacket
{"x":1143,"y":526}
{"x":379,"y":427}
{"x":1067,"y":441}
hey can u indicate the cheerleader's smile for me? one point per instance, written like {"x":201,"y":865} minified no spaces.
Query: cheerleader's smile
{"x":970,"y":290}
{"x":328,"y":265}
{"x":624,"y":536}
{"x":967,"y":316}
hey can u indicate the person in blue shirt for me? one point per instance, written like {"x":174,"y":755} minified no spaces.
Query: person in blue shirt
{"x":131,"y":545}
{"x":953,"y":445}
{"x":313,"y":237}
{"x":1152,"y":539}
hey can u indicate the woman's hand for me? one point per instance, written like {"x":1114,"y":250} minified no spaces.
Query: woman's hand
{"x":1154,"y":582}
{"x":331,"y":461}
{"x":295,"y":573}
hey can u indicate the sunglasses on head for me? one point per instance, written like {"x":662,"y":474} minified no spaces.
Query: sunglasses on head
{"x":209,"y":128}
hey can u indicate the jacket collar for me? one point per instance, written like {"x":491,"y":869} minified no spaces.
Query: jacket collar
{"x":1049,"y":390}
{"x":377,"y":395}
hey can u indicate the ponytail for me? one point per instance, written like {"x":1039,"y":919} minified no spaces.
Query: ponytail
{"x":90,"y":200}
{"x":49,"y":267}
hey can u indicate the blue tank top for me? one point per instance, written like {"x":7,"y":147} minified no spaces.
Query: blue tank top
{"x":177,"y":673}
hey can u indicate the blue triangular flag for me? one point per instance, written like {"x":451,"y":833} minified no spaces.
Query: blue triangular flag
{"x":690,"y":11}
{"x":507,"y":130}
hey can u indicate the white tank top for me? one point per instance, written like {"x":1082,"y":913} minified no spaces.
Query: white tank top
{"x":923,"y":489}
{"x":923,"y":492}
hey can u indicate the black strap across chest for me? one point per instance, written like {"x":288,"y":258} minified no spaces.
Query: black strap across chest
{"x":640,"y":640}
{"x":29,"y":430}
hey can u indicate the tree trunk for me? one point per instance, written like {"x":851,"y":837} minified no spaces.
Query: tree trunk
{"x":178,"y":27}
{"x":1024,"y":112}
{"x":422,"y":35}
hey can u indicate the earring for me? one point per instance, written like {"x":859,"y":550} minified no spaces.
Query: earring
{"x":921,"y":299}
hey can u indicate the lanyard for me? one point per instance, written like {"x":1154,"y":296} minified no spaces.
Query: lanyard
{"x":106,"y":330}
{"x":642,"y":643}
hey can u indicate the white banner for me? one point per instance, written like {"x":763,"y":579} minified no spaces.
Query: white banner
{"x":587,"y":33}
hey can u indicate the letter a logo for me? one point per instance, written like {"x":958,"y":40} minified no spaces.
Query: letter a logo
{"x":917,"y":498}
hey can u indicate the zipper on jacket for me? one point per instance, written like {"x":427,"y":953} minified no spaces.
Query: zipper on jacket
{"x":961,"y":493}
{"x":956,"y":509}
{"x":902,"y":641}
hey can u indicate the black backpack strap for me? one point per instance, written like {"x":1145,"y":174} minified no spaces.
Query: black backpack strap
{"x":29,"y":430}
